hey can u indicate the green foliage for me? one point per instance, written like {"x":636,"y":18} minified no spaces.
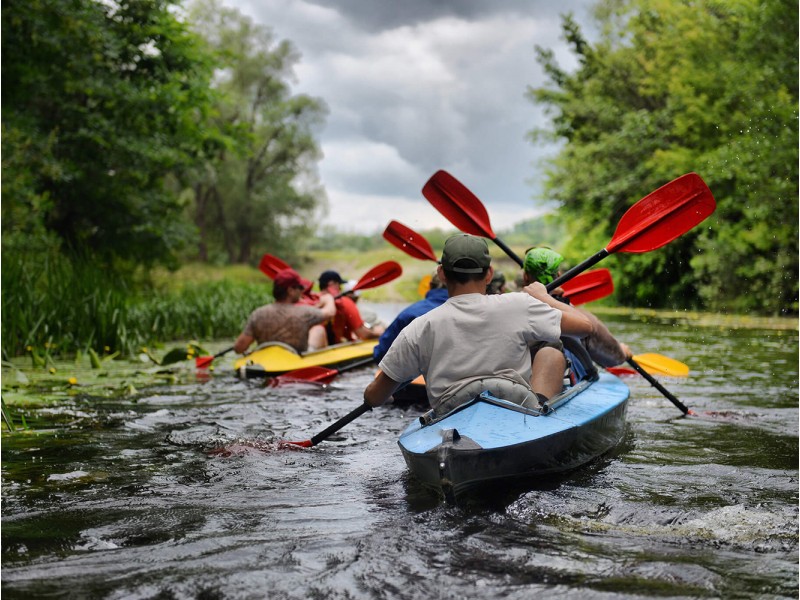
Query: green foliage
{"x":547,"y":230}
{"x":260,"y":195}
{"x":673,"y":87}
{"x":331,"y":239}
{"x":64,"y":306}
{"x":101,"y":103}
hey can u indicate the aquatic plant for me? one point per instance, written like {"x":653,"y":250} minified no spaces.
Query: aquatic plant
{"x":55,"y":306}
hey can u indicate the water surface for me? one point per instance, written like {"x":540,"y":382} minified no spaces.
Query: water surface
{"x":128,"y":499}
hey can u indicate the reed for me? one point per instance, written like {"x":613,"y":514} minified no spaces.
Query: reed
{"x":55,"y":306}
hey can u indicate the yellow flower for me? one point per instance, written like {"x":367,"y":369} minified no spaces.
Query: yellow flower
{"x":72,"y":381}
{"x":52,"y":370}
{"x":28,"y":348}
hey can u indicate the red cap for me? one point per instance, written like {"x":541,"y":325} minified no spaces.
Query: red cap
{"x":289,"y":277}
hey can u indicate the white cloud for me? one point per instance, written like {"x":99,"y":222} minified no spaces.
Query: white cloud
{"x":414,"y":87}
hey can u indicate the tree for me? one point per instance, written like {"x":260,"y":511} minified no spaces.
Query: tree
{"x":102,"y":103}
{"x":261,"y":194}
{"x":673,"y":87}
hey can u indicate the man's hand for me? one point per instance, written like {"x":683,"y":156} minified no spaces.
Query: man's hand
{"x":536,"y":290}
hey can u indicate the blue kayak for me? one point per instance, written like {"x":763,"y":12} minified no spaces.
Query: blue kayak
{"x":489,"y":439}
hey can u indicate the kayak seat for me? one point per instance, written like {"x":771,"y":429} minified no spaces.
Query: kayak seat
{"x":581,"y":364}
{"x":500,"y":387}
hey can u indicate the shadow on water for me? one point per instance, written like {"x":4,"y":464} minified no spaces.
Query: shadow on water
{"x":183,"y":491}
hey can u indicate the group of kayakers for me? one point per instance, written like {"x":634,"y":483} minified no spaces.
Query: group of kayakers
{"x":307,"y":320}
{"x":466,"y":335}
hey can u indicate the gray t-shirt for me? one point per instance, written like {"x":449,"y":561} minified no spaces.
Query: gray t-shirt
{"x":471,"y":335}
{"x":281,"y":322}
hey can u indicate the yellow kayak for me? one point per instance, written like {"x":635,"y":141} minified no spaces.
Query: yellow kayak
{"x":276,"y":358}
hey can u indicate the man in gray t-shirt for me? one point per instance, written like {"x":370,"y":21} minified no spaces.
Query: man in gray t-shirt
{"x":473,"y":335}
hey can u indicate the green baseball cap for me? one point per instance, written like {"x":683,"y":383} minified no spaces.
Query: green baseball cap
{"x":542,"y":264}
{"x":467,"y":248}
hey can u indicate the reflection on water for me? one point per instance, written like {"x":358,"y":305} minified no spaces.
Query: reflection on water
{"x":136,"y":500}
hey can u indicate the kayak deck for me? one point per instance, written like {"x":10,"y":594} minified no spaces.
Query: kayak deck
{"x":489,"y":439}
{"x":275,"y":358}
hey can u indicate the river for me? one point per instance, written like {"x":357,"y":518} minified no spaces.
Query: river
{"x":129,"y":499}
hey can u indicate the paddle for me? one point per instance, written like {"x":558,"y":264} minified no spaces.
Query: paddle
{"x":201,"y":362}
{"x":409,"y":241}
{"x":589,"y":286}
{"x":315,"y":374}
{"x":655,"y":364}
{"x":271,"y":265}
{"x":424,"y":286}
{"x":377,"y":276}
{"x":383,"y":273}
{"x":658,"y":364}
{"x":326,"y":433}
{"x":586,"y":287}
{"x":654,"y":221}
{"x":660,"y":387}
{"x":462,"y":208}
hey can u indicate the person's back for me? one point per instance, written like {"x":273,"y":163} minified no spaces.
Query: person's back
{"x":286,"y":323}
{"x":347,"y":325}
{"x":286,"y":320}
{"x":471,"y":335}
{"x":436,"y":296}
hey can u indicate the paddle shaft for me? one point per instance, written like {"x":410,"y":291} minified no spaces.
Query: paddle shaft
{"x":511,"y":254}
{"x":253,"y":372}
{"x":218,"y":354}
{"x":202,"y":361}
{"x":577,"y":269}
{"x":351,"y":416}
{"x":659,"y":387}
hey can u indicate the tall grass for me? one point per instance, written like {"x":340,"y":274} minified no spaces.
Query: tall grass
{"x":65,"y":306}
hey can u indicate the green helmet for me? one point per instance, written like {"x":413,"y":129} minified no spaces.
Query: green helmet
{"x":542,"y":263}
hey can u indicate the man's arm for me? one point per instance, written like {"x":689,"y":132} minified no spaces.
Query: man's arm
{"x":603,"y":347}
{"x":573,"y":322}
{"x":243,"y":343}
{"x":365,"y":333}
{"x":327,"y":305}
{"x":380,"y":390}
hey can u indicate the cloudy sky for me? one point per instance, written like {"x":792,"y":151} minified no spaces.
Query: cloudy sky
{"x":413,"y":86}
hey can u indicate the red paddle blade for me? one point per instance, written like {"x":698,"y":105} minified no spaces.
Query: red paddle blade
{"x":286,"y":444}
{"x":622,"y":371}
{"x":270,"y":265}
{"x":663,"y":215}
{"x":309,"y":374}
{"x":378,"y":275}
{"x":409,"y":241}
{"x":589,"y":286}
{"x":201,"y":362}
{"x":459,"y":206}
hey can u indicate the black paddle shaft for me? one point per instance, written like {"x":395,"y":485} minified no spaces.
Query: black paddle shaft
{"x":658,"y":386}
{"x":513,"y":255}
{"x":351,"y":416}
{"x":577,"y":269}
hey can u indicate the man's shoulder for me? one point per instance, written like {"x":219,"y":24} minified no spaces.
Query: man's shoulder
{"x":283,"y":308}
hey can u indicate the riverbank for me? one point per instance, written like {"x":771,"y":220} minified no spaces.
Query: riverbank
{"x":404,"y":290}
